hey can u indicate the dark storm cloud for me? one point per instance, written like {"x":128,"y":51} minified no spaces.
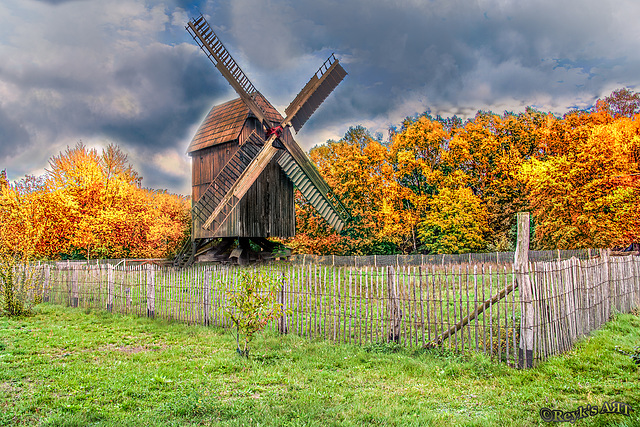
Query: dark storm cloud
{"x":13,"y":135}
{"x":126,"y":71}
{"x":450,"y":54}
{"x":167,"y":87}
{"x":173,"y":86}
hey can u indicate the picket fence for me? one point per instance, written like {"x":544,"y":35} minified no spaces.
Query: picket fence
{"x":458,"y":308}
{"x":398,"y":260}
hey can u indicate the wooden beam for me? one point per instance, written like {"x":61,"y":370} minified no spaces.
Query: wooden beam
{"x":244,"y":182}
{"x":479,"y":309}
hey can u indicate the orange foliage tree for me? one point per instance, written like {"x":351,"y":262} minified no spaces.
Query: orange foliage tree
{"x":91,"y":205}
{"x":584,"y":194}
{"x":444,"y":185}
{"x":358,"y":169}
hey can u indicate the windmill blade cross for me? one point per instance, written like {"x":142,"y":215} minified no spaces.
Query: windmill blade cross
{"x":297,"y":165}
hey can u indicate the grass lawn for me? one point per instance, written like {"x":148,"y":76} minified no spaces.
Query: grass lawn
{"x":69,"y":367}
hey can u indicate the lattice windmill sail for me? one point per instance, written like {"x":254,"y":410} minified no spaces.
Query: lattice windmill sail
{"x":246,"y":162}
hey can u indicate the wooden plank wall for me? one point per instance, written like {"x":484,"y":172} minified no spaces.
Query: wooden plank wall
{"x":267,"y":210}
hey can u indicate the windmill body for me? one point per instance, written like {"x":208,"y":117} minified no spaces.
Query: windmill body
{"x":245,"y":163}
{"x":267,"y":209}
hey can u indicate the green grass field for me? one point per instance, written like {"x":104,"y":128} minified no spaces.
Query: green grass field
{"x":73,"y":367}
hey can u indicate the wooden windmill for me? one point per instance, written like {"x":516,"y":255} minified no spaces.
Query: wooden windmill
{"x":245,"y":163}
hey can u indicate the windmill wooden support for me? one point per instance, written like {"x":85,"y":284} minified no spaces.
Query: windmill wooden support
{"x":246,"y":164}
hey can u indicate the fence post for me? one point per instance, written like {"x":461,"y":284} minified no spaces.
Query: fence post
{"x":282,"y":322}
{"x":110,"y":287}
{"x":635,"y":302}
{"x":610,"y":293}
{"x":46,"y":283}
{"x":207,"y":297}
{"x":74,"y":286}
{"x":393,"y":306}
{"x":151,"y":290}
{"x":521,"y":264}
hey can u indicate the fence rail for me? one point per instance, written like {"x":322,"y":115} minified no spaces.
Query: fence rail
{"x":415,"y":260}
{"x":457,"y":307}
{"x":498,"y":258}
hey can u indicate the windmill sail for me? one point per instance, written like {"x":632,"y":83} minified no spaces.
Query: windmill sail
{"x":222,"y":183}
{"x":318,"y":199}
{"x":216,"y":52}
{"x":323,"y":82}
{"x":306,"y":102}
{"x":240,"y":186}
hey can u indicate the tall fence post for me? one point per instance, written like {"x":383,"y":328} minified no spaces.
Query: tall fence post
{"x":74,"y":286}
{"x":634,"y":281}
{"x":610,"y":292}
{"x":151,"y":290}
{"x":46,"y":283}
{"x":521,"y":266}
{"x":282,"y":322}
{"x":110,"y":287}
{"x":393,"y":306}
{"x":207,"y":297}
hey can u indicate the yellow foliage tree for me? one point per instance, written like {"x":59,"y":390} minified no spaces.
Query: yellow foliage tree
{"x":361,"y":174}
{"x":456,"y":222}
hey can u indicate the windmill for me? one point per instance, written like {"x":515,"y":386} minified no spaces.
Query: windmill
{"x":245,"y":163}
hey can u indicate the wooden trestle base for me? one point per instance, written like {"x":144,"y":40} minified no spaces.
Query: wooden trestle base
{"x":231,"y":250}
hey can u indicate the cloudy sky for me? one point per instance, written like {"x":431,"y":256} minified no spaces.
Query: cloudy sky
{"x":127,"y":72}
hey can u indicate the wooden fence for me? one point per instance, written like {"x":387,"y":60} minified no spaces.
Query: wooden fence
{"x":574,"y":297}
{"x":460,"y":308}
{"x":398,"y":260}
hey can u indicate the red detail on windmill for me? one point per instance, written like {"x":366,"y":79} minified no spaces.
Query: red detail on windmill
{"x":277,"y":131}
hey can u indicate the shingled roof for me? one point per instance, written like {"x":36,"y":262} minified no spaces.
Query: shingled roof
{"x":224,"y":122}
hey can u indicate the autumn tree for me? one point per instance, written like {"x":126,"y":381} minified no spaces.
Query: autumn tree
{"x":577,"y":173}
{"x":20,"y":207}
{"x":456,"y":222}
{"x":621,"y":103}
{"x":488,"y":150}
{"x":20,"y":233}
{"x":4,"y":182}
{"x":358,"y":169}
{"x":418,"y":154}
{"x":91,"y":204}
{"x":577,"y":196}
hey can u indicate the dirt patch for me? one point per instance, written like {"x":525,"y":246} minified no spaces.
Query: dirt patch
{"x":6,"y":387}
{"x":130,"y":349}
